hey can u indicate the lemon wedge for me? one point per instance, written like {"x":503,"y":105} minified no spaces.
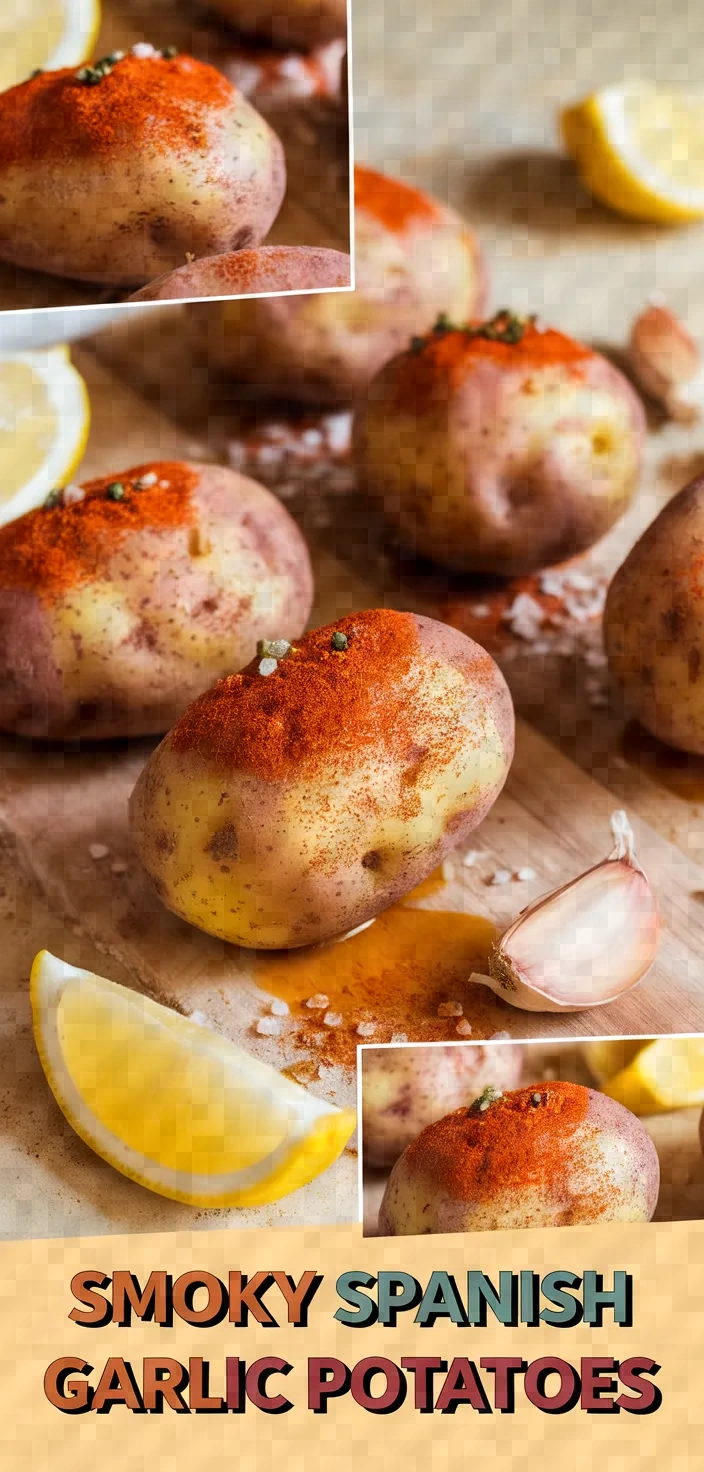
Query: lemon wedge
{"x":171,"y":1103}
{"x":44,"y":423}
{"x":665,"y":1074}
{"x":608,"y":1056}
{"x":640,"y":150}
{"x":45,"y":34}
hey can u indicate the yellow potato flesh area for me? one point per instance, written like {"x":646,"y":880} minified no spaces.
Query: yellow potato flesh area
{"x":183,"y":1106}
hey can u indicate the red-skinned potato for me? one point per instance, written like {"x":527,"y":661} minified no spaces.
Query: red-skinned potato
{"x":551,"y":1155}
{"x":304,"y":795}
{"x":405,"y":1089}
{"x":501,"y":447}
{"x":654,"y":624}
{"x":122,"y":179}
{"x":414,"y":258}
{"x":272,"y":268}
{"x":305,"y":23}
{"x":125,"y":600}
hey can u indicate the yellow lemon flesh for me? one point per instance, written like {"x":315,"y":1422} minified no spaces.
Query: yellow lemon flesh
{"x":45,"y":34}
{"x":173,"y":1104}
{"x":654,"y":1077}
{"x":640,"y":150}
{"x":44,"y":423}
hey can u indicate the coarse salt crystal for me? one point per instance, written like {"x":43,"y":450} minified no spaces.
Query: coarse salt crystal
{"x":144,"y":49}
{"x":448,"y":870}
{"x":399,"y":1037}
{"x":72,"y":495}
{"x":463,"y":1028}
{"x":525,"y":874}
{"x":333,"y":1019}
{"x":269,"y":1027}
{"x":318,"y":1002}
{"x":500,"y":1037}
{"x":279,"y":1008}
{"x":500,"y":876}
{"x":145,"y":481}
{"x":119,"y":867}
{"x":480,"y":610}
{"x":450,"y":1009}
{"x":267,"y":666}
{"x":200,"y":1017}
{"x":366,"y":1029}
{"x":312,"y":439}
{"x":164,"y":485}
{"x":98,"y":850}
{"x":471,"y":858}
{"x":337,"y":429}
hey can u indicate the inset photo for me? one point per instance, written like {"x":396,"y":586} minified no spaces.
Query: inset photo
{"x":157,"y":151}
{"x":480,"y":1137}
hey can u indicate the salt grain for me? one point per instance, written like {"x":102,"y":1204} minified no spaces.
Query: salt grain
{"x":318,"y":1002}
{"x":501,"y":876}
{"x":366,"y":1029}
{"x":72,"y":495}
{"x":450,"y":1009}
{"x":471,"y":858}
{"x":200,"y":1017}
{"x":119,"y":867}
{"x":448,"y":871}
{"x":267,"y":666}
{"x":399,"y":1037}
{"x":145,"y":481}
{"x":98,"y":850}
{"x":279,"y":1008}
{"x":500,"y":1037}
{"x":143,"y":50}
{"x":269,"y":1027}
{"x":463,"y":1028}
{"x":480,"y":610}
{"x":333,"y":1019}
{"x":525,"y":874}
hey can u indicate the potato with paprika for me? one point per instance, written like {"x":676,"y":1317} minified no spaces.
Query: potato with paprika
{"x":405,"y":1089}
{"x":118,"y":171}
{"x":499,"y":447}
{"x":654,"y":624}
{"x":123,"y":599}
{"x":271,"y":268}
{"x":551,"y":1155}
{"x":301,"y":797}
{"x":414,"y":257}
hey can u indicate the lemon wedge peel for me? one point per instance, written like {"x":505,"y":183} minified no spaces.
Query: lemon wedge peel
{"x":84,"y":18}
{"x":300,"y":1134}
{"x":665,"y":1074}
{"x":67,"y":403}
{"x":613,"y":138}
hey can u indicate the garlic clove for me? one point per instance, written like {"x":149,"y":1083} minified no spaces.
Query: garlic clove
{"x":666,"y":363}
{"x":585,"y":944}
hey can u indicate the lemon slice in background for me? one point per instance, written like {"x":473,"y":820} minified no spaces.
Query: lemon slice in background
{"x":640,"y":150}
{"x":45,"y":33}
{"x":173,"y":1104}
{"x":44,"y":423}
{"x":651,"y":1077}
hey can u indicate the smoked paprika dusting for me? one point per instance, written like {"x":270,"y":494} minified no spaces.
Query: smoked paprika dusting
{"x":511,"y":1144}
{"x":319,"y":705}
{"x":58,"y":546}
{"x":393,"y":203}
{"x":148,"y":104}
{"x":391,"y":978}
{"x":445,"y":358}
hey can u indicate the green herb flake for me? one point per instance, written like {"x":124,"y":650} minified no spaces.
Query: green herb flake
{"x":115,"y":491}
{"x":339,"y":640}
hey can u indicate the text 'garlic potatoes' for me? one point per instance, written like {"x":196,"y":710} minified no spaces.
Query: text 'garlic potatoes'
{"x":654,"y":624}
{"x":405,"y":1089}
{"x":120,"y":180}
{"x":414,"y":257}
{"x":499,"y":447}
{"x":299,"y":798}
{"x":127,"y":598}
{"x":551,"y":1155}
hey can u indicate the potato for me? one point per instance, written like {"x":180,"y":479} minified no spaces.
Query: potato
{"x":127,"y":599}
{"x":414,"y":258}
{"x":247,"y":272}
{"x":302,"y":796}
{"x":654,"y":624}
{"x":275,"y":79}
{"x":405,"y":1089}
{"x":499,"y":449}
{"x":120,"y":179}
{"x":306,"y":23}
{"x":551,"y":1155}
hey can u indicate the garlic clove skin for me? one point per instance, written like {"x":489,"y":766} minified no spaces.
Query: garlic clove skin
{"x":585,"y":944}
{"x":667,"y":364}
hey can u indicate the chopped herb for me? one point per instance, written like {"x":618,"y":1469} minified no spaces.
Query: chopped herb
{"x":38,"y":72}
{"x":488,"y":1096}
{"x":416,"y":345}
{"x":443,"y":324}
{"x":169,"y":53}
{"x":54,"y":498}
{"x":115,"y":491}
{"x":273,"y":648}
{"x":339,"y":640}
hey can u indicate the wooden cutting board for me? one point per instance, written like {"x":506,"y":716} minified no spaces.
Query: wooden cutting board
{"x":314,"y":133}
